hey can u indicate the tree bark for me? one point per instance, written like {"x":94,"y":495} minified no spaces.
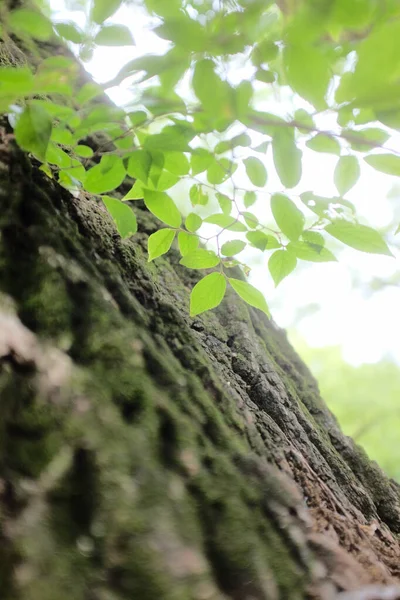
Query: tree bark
{"x":148,"y":455}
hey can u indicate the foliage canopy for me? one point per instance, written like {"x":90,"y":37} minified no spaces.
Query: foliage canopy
{"x":332,"y":61}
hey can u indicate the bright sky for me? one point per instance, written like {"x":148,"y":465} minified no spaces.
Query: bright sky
{"x":365,"y":326}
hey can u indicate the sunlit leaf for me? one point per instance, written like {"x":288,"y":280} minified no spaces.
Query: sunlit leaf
{"x":311,"y":251}
{"x":106,"y":176}
{"x":208,"y":293}
{"x":347,"y":173}
{"x":256,"y":171}
{"x":262,"y":241}
{"x":232,"y":247}
{"x":102,"y":9}
{"x":30,"y":23}
{"x":324,"y":143}
{"x":250,"y":295}
{"x":287,"y":157}
{"x":288,"y":217}
{"x":160,"y":242}
{"x":308,"y":72}
{"x":386,"y":163}
{"x":226,"y":222}
{"x":358,"y":236}
{"x":249,"y":199}
{"x":200,"y":259}
{"x":281,"y":263}
{"x":187,"y":242}
{"x":33,"y":130}
{"x":114,"y":35}
{"x":122,"y":215}
{"x":163,"y":207}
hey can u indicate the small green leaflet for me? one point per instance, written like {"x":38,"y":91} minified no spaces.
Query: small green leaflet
{"x":200,"y":161}
{"x":357,"y":236}
{"x":187,"y":242}
{"x":287,"y":157}
{"x":160,"y":242}
{"x":288,"y":217}
{"x":324,"y":143}
{"x":256,"y":171}
{"x":33,"y":130}
{"x":299,"y":61}
{"x":225,"y":203}
{"x":226,"y":222}
{"x":281,"y":264}
{"x":123,"y":216}
{"x":250,"y":294}
{"x":232,"y":247}
{"x":177,"y":163}
{"x":106,"y":176}
{"x":200,"y":259}
{"x":70,"y":32}
{"x":193,"y":222}
{"x":262,"y":241}
{"x":220,"y":171}
{"x":139,"y":165}
{"x":16,"y":81}
{"x":114,"y":35}
{"x":83,"y":151}
{"x":387,"y":163}
{"x":198,"y":196}
{"x":347,"y":173}
{"x":207,"y":293}
{"x":311,"y":251}
{"x":102,"y":9}
{"x":249,"y":199}
{"x":30,"y":23}
{"x":163,"y":207}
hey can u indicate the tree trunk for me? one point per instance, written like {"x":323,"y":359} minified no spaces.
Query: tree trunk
{"x":147,"y":455}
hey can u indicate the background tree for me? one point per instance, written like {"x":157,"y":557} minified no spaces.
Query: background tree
{"x":146,"y":453}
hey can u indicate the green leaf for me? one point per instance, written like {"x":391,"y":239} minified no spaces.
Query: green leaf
{"x":70,"y":31}
{"x":212,"y":92}
{"x":187,"y":242}
{"x":193,"y":222}
{"x":136,"y":192}
{"x":250,"y":219}
{"x":262,"y":241}
{"x":200,"y":259}
{"x":220,"y":171}
{"x":33,"y":130}
{"x":114,"y":35}
{"x":16,"y":81}
{"x":207,"y":293}
{"x":106,"y":176}
{"x":358,"y":236}
{"x":308,"y":72}
{"x":160,"y":242}
{"x":200,"y":161}
{"x":347,"y":173}
{"x":250,"y":294}
{"x":173,"y":138}
{"x":288,"y":217}
{"x":281,"y":263}
{"x":366,"y":139}
{"x":30,"y":23}
{"x":177,"y":163}
{"x":324,"y":143}
{"x":386,"y":163}
{"x":122,"y":215}
{"x":139,"y":165}
{"x":311,"y":251}
{"x":256,"y":171}
{"x":225,"y":203}
{"x":226,"y":222}
{"x":197,"y":196}
{"x":102,"y":9}
{"x":56,"y":156}
{"x":287,"y":157}
{"x":163,"y":207}
{"x":249,"y":199}
{"x":83,"y":151}
{"x":232,"y":247}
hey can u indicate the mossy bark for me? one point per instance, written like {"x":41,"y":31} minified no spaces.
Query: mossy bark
{"x":148,"y":455}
